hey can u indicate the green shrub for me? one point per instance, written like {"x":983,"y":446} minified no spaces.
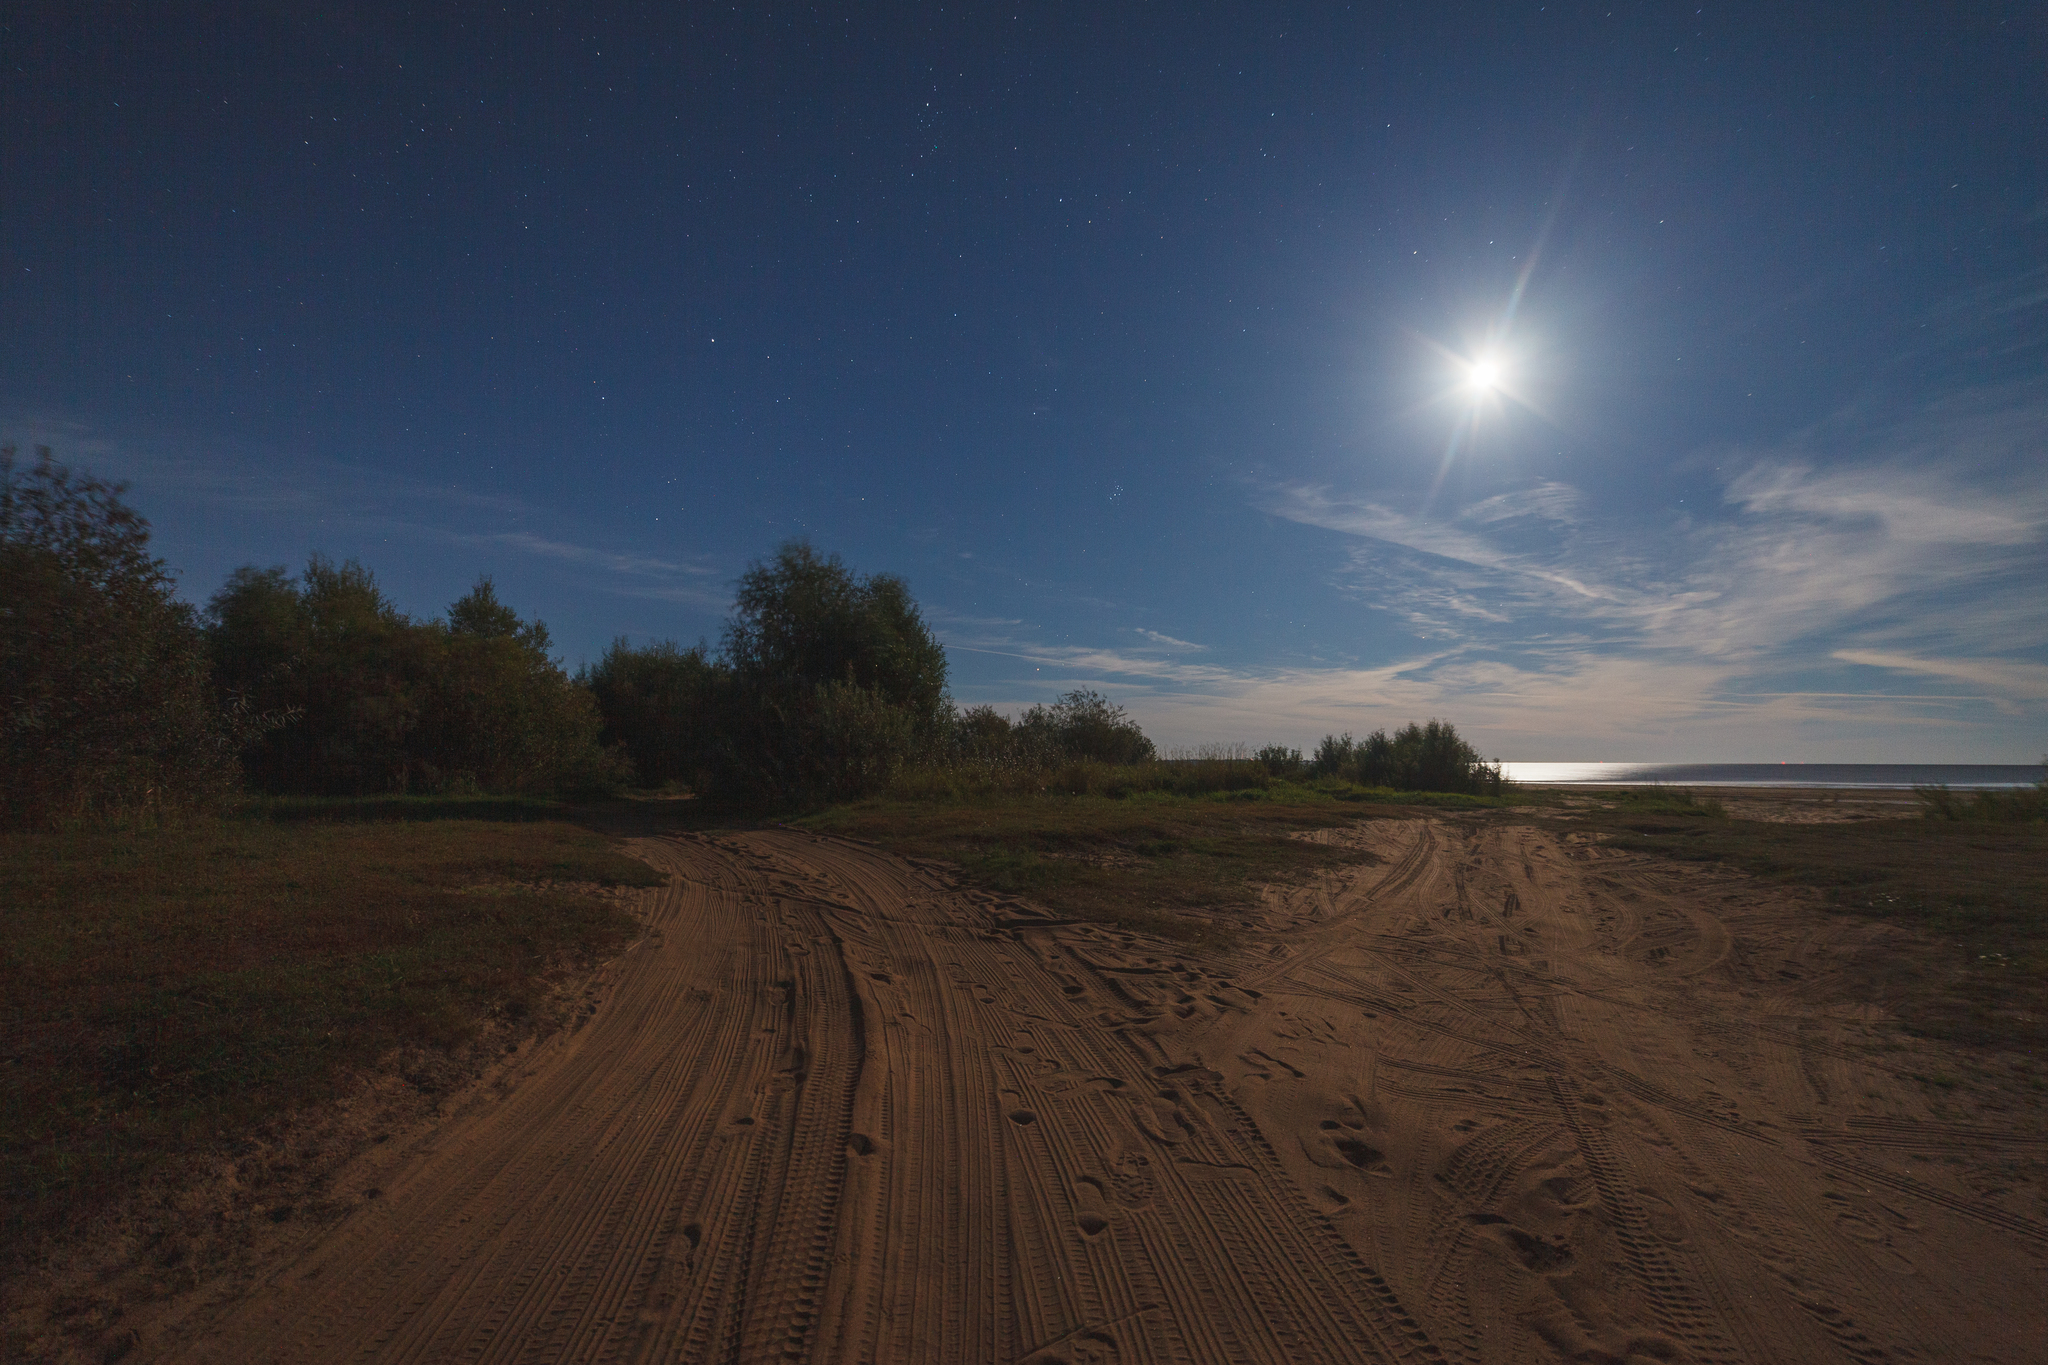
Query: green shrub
{"x":1084,"y":724}
{"x":1429,"y":757}
{"x":1281,"y":761}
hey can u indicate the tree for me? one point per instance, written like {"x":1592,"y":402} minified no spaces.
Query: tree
{"x":498,"y":712}
{"x":828,"y":685}
{"x":333,"y":652}
{"x":1085,"y":724}
{"x":983,"y":726}
{"x":658,"y":702}
{"x":384,"y":703}
{"x":802,"y":620}
{"x":479,"y":614}
{"x":102,"y":669}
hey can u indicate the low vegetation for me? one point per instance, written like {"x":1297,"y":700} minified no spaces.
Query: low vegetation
{"x":1976,"y":887}
{"x":165,"y":985}
{"x":1152,"y":861}
{"x":1661,"y":802}
{"x":1428,"y":757}
{"x":2023,"y":806}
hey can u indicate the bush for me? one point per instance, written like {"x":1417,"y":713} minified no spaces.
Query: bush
{"x":103,"y":698}
{"x":1083,"y":724}
{"x":1428,"y":757}
{"x":1281,"y":761}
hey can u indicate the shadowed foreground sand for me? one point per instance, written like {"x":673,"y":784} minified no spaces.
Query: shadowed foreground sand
{"x":1494,"y":1098}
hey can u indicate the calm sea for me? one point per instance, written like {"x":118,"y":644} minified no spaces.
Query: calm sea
{"x":1783,"y":774}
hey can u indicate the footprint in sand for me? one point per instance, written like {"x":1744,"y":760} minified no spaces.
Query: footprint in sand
{"x":1091,"y":1208}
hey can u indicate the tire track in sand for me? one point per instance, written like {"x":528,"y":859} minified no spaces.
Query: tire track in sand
{"x":1480,"y":1102}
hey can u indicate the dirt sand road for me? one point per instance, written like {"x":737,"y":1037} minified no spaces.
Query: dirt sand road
{"x":1493,"y":1097}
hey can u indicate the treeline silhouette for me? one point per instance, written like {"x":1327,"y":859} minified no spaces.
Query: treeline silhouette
{"x":826,"y":685}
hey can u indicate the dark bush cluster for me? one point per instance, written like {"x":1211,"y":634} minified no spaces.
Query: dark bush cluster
{"x":1429,"y":757}
{"x":376,"y":701}
{"x":1086,"y":724}
{"x":658,"y":702}
{"x":1080,"y":726}
{"x":1281,"y":761}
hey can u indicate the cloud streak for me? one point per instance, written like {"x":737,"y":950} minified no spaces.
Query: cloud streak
{"x":315,"y":496}
{"x":1553,"y":626}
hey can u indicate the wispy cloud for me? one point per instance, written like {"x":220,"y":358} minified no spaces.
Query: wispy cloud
{"x":1884,"y":544}
{"x":320,"y":497}
{"x":1555,"y":624}
{"x":1998,"y":677}
{"x":644,"y":566}
{"x":1080,"y":663}
{"x":1167,"y":641}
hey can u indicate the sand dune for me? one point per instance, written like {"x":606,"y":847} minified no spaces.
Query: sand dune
{"x":1494,"y":1097}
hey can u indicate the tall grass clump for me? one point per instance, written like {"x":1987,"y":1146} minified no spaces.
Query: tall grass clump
{"x":2025,"y":805}
{"x":1665,"y":801}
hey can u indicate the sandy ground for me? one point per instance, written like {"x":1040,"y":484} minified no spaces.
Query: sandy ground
{"x":1498,"y":1096}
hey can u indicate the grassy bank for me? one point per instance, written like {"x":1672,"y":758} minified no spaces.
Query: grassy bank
{"x":1980,"y":889}
{"x":1235,"y":779}
{"x":164,"y":987}
{"x":1176,"y":866}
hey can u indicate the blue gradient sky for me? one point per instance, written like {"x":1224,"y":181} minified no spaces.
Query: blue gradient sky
{"x":1133,"y":336}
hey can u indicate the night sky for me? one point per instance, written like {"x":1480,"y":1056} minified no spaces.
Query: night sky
{"x":1139,"y":338}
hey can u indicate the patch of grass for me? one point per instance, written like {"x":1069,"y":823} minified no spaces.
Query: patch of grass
{"x":1151,"y":862}
{"x":162,"y":988}
{"x":361,"y":809}
{"x":1334,"y":789}
{"x":1236,"y":779}
{"x":1663,"y":801}
{"x":1999,"y":807}
{"x":1980,"y":889}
